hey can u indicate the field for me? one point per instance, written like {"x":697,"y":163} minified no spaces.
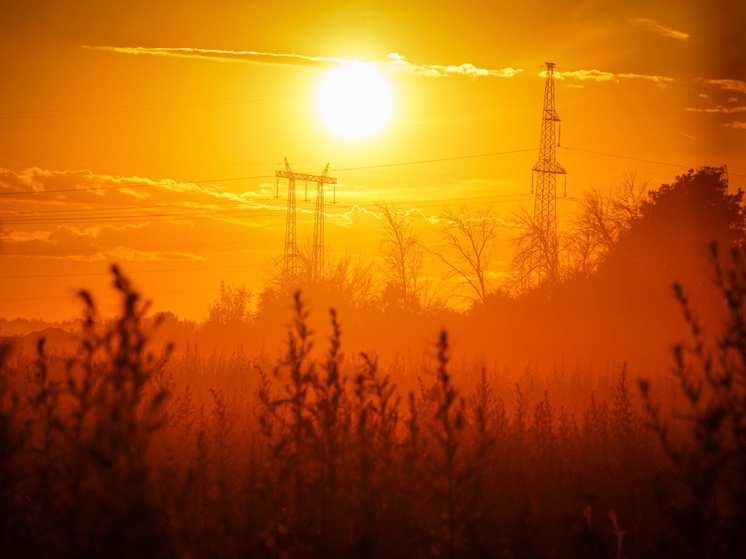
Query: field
{"x":118,"y":451}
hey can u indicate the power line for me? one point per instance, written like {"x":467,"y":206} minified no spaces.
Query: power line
{"x":434,"y":160}
{"x":136,"y":185}
{"x":86,"y":111}
{"x":378,"y":166}
{"x":82,"y":274}
{"x":637,"y":159}
{"x":249,"y":212}
{"x":72,"y":295}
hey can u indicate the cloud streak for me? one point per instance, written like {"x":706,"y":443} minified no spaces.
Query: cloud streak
{"x":241,"y":56}
{"x":601,"y":76}
{"x":398,"y":63}
{"x":394,"y":62}
{"x":729,"y":85}
{"x":87,"y":217}
{"x":660,"y":29}
{"x":724,"y":110}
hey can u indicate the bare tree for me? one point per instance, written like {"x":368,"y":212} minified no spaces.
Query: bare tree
{"x":627,"y":204}
{"x":602,"y":220}
{"x":529,"y":239}
{"x":583,"y":250}
{"x":350,"y":276}
{"x":469,"y":234}
{"x":402,"y":255}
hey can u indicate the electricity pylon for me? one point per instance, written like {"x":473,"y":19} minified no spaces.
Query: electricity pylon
{"x":543,"y":260}
{"x":290,"y":254}
{"x":318,"y":225}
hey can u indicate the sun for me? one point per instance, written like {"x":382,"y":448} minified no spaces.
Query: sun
{"x":354,"y":100}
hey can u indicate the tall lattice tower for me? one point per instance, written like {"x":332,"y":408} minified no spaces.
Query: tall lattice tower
{"x":543,"y":261}
{"x":318,"y":227}
{"x":289,"y":260}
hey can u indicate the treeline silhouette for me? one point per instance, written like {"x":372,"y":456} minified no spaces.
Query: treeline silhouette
{"x":125,"y":449}
{"x":608,"y":297}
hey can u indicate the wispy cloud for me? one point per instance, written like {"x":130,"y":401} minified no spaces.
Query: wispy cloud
{"x":11,"y":235}
{"x":419,"y":213}
{"x":397,"y":62}
{"x":358,"y":215}
{"x":126,"y":254}
{"x":245,"y":56}
{"x":394,"y":62}
{"x":601,"y":76}
{"x":652,"y":25}
{"x":582,"y":75}
{"x":719,"y":109}
{"x":89,"y":217}
{"x":736,"y":124}
{"x":729,"y":85}
{"x":655,"y":79}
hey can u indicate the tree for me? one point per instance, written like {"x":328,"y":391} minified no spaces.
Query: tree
{"x":350,"y":277}
{"x":699,"y":204}
{"x":524,"y":266}
{"x":470,"y":235}
{"x":402,"y":256}
{"x":675,"y":225}
{"x":230,"y":317}
{"x":602,"y":221}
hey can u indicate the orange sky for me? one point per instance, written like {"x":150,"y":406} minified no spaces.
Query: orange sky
{"x":160,"y":126}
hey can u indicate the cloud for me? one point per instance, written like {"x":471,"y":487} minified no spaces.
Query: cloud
{"x":729,"y":85}
{"x":419,"y":213}
{"x":31,"y":191}
{"x":656,"y":79}
{"x":358,"y":215}
{"x":736,"y":124}
{"x":11,"y":235}
{"x":393,"y":62}
{"x":241,"y":56}
{"x":126,"y":254}
{"x":718,"y":109}
{"x":87,"y":217}
{"x":602,"y":76}
{"x":652,"y":25}
{"x":582,"y":75}
{"x":398,"y":63}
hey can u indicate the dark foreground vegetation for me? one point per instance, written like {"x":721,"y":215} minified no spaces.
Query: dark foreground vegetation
{"x":112,"y":445}
{"x":317,"y":453}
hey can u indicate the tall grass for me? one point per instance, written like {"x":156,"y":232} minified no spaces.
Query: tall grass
{"x":122,"y":451}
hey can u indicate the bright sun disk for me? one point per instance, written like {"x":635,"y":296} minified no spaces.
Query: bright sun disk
{"x":354,"y":100}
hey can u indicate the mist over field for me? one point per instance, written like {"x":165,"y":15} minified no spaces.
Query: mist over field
{"x":597,"y":414}
{"x":372,"y":280}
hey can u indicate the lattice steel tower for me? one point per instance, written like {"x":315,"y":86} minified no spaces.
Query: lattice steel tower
{"x":543,"y":263}
{"x":289,"y":255}
{"x":318,"y":225}
{"x":290,"y":259}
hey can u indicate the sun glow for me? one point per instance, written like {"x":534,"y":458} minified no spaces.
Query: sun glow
{"x":355,"y":100}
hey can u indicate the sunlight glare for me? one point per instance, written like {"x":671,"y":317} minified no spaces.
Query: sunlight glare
{"x":354,"y":100}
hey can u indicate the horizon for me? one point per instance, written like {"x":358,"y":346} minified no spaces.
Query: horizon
{"x":163,"y":148}
{"x":371,"y":279}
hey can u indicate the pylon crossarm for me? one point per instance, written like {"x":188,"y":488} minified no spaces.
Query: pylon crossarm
{"x":305,"y":177}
